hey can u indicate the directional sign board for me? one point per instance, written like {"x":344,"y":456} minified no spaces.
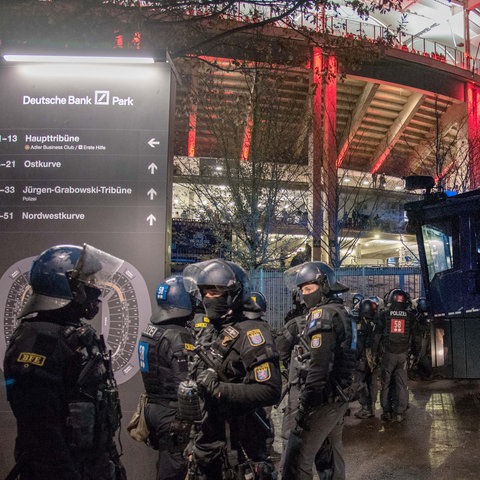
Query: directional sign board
{"x":84,"y":158}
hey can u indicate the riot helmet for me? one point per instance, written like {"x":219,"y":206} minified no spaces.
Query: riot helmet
{"x":318,"y":273}
{"x":378,"y":301}
{"x":256,"y":307}
{"x":421,"y":305}
{"x":69,"y":274}
{"x":260,"y":300}
{"x":173,"y":301}
{"x":356,"y":299}
{"x":397,"y":298}
{"x":367,"y":309}
{"x":229,"y":282}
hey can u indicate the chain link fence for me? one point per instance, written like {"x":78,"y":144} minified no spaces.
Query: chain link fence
{"x":368,"y":281}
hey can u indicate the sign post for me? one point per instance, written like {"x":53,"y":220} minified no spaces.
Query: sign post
{"x":85,"y":158}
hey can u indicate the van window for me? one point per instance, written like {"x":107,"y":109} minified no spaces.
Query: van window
{"x":438,"y":244}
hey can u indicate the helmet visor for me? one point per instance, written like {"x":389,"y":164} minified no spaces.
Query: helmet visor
{"x":190,"y":277}
{"x":293,"y":277}
{"x":211,"y":274}
{"x":313,"y":272}
{"x":96,"y":267}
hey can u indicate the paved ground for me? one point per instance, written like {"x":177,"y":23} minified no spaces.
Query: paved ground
{"x":440,"y":439}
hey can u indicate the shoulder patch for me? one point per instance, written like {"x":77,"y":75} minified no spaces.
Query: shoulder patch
{"x":316,"y":340}
{"x":228,"y":335}
{"x":231,"y":332}
{"x":150,"y":331}
{"x":32,"y":359}
{"x":201,"y":321}
{"x":201,"y":325}
{"x":143,"y":356}
{"x":319,"y":320}
{"x":262,"y":372}
{"x":189,"y":347}
{"x":255,"y":337}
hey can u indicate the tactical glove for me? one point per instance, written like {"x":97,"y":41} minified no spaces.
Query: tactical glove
{"x":208,"y":384}
{"x":302,"y":417}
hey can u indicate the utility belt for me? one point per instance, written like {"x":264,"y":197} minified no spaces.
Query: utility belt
{"x":159,"y":400}
{"x":178,"y":437}
{"x":332,"y":393}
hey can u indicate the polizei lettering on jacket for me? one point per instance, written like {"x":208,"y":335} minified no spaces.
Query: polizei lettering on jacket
{"x":398,"y":313}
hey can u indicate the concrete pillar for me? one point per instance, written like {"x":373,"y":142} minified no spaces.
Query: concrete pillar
{"x":323,"y":157}
{"x":473,"y":105}
{"x":317,"y":155}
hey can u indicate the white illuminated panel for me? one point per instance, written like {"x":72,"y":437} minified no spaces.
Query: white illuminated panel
{"x":74,"y":59}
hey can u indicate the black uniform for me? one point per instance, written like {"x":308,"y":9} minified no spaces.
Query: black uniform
{"x":365,"y":377}
{"x":295,"y":357}
{"x":288,"y":338}
{"x":323,"y":404}
{"x":238,"y":373}
{"x":289,"y":351}
{"x":61,"y":389}
{"x":395,"y":322}
{"x":165,"y":352}
{"x":421,"y":358}
{"x":235,"y":427}
{"x":199,"y":323}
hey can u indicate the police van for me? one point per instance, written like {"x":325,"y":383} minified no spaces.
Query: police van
{"x":447,"y":229}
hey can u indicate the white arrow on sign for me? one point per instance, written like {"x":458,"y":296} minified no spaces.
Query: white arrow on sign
{"x":153,"y":142}
{"x":151,"y":193}
{"x":151,"y":219}
{"x":152,"y":167}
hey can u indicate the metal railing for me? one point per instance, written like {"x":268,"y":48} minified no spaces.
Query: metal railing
{"x":338,"y":26}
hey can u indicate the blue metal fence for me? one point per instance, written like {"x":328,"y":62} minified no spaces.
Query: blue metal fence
{"x":365,"y":280}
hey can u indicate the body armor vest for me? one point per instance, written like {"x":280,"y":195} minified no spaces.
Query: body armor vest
{"x":158,"y":349}
{"x":322,"y":321}
{"x":398,"y":330}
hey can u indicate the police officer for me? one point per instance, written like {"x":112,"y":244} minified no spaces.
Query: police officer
{"x":356,"y":299}
{"x":292,"y":352}
{"x":200,"y":321}
{"x":289,"y":349}
{"x":165,"y":353}
{"x":257,"y":308}
{"x":59,"y":379}
{"x":298,"y":307}
{"x":258,"y":312}
{"x":395,"y":322}
{"x":366,"y":373}
{"x":421,"y":364}
{"x":323,"y":401}
{"x":237,"y":374}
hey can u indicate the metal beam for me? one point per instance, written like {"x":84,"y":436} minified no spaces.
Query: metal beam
{"x":358,"y":115}
{"x":395,"y":132}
